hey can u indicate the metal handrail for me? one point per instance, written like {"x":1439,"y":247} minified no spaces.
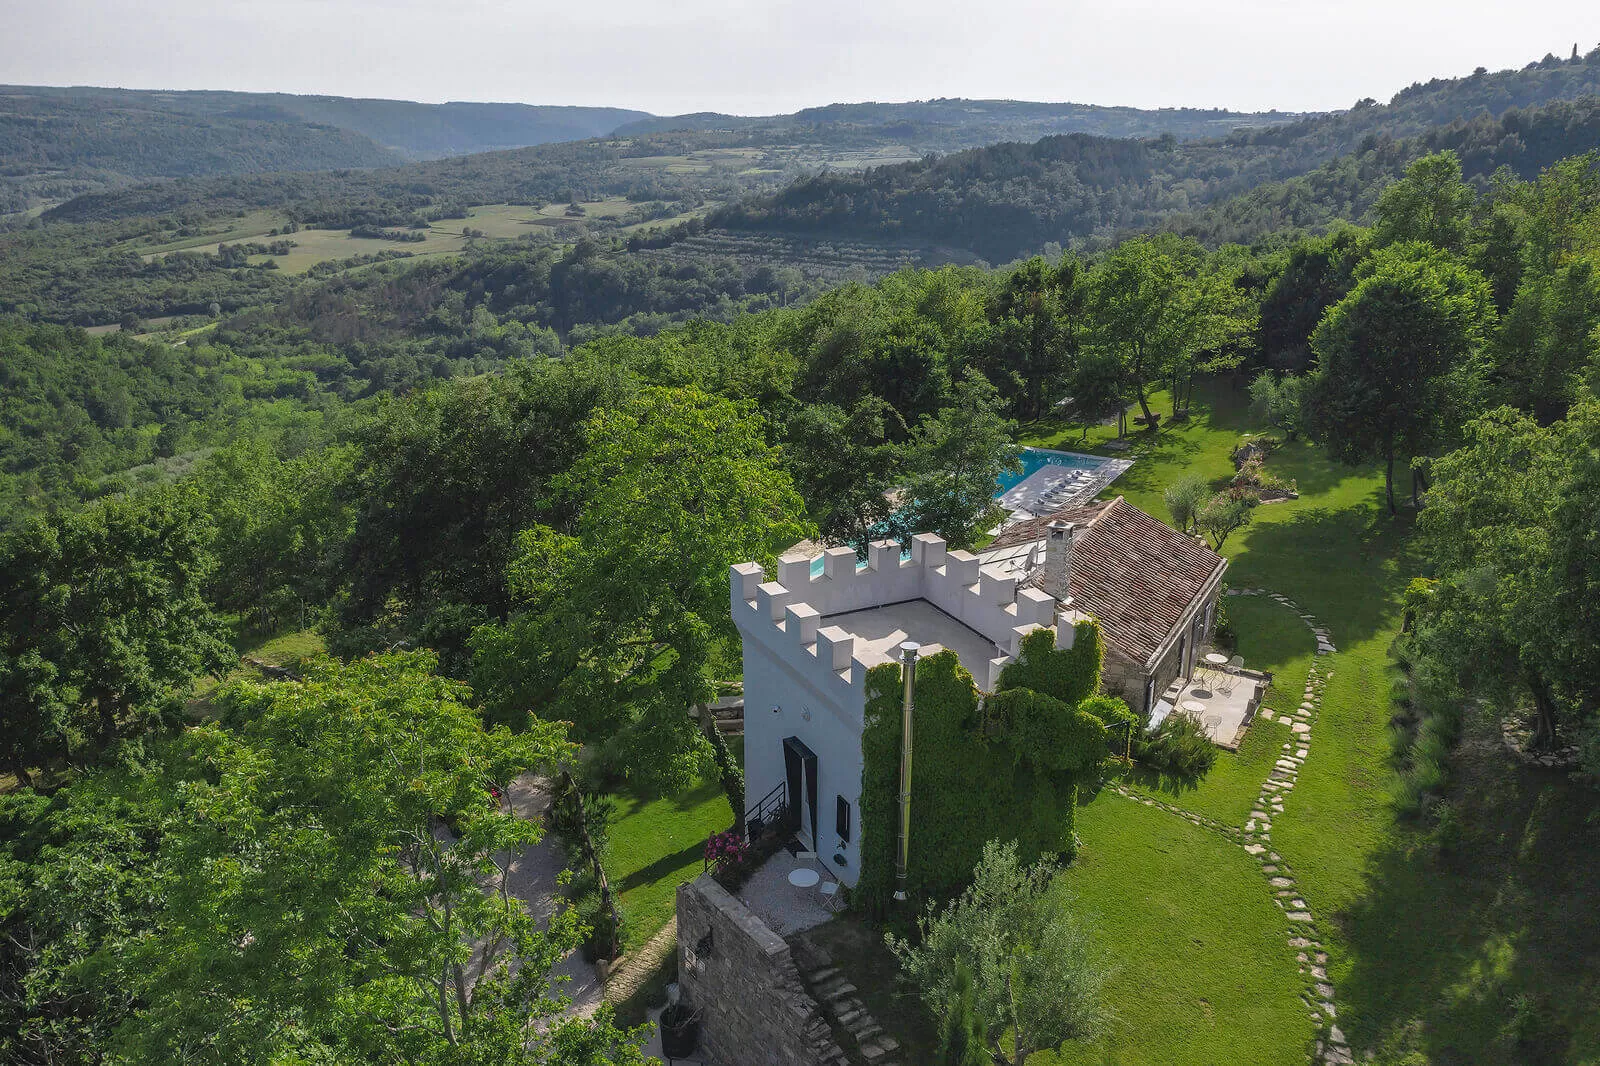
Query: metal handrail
{"x":774,"y":803}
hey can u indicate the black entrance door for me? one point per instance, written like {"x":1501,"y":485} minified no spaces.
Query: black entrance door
{"x":800,"y":775}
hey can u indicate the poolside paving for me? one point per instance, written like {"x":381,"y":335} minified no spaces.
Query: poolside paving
{"x":1056,"y":485}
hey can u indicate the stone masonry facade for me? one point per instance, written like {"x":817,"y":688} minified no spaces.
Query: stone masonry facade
{"x":743,"y":978}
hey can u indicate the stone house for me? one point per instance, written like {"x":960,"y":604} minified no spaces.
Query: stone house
{"x":811,"y":635}
{"x":1153,"y":589}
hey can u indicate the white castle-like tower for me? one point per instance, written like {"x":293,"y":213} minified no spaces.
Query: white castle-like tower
{"x":810,"y":638}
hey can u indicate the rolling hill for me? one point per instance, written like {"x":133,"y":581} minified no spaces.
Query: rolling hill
{"x":1005,"y":200}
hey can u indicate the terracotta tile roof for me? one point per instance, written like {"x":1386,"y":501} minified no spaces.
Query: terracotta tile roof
{"x":1135,"y":573}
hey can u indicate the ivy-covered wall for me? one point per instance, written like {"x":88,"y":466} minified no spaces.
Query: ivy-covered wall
{"x":1007,"y":767}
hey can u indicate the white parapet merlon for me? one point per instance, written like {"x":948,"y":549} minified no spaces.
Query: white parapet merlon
{"x":1067,"y":620}
{"x":984,"y":599}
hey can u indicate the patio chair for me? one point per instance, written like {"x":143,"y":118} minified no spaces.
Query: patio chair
{"x":832,"y":901}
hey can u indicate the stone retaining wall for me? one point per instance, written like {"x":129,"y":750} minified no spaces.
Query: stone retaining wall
{"x":755,"y":1010}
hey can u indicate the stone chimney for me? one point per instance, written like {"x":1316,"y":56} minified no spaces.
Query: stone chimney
{"x":1058,"y":547}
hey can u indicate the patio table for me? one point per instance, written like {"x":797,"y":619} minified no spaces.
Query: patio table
{"x":804,"y":877}
{"x":1194,"y":707}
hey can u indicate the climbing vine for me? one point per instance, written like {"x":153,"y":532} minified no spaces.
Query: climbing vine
{"x":1004,"y":767}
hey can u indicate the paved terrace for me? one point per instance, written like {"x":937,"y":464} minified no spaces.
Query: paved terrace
{"x":1227,"y":703}
{"x":879,"y":632}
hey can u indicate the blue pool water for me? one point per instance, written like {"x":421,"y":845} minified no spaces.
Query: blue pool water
{"x":1035,"y":459}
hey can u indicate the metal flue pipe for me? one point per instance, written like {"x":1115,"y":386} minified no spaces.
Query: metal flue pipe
{"x":908,"y":659}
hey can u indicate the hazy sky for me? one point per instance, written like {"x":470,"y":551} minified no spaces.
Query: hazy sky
{"x":671,"y":56}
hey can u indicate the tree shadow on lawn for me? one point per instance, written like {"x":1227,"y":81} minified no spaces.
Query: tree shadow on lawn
{"x":1347,"y":566}
{"x":667,"y":864}
{"x":1443,"y":944}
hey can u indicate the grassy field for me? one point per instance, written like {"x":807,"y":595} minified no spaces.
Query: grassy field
{"x":445,"y":237}
{"x":1476,"y":952}
{"x":658,"y":843}
{"x":1201,"y":973}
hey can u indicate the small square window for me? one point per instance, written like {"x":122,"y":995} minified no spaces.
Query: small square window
{"x":841,"y":818}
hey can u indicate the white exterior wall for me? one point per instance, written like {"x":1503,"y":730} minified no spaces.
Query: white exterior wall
{"x":805,"y":680}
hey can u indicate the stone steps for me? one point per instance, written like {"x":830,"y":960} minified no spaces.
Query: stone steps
{"x":862,"y":1038}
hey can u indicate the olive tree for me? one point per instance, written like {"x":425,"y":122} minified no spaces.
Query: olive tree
{"x":1036,"y":978}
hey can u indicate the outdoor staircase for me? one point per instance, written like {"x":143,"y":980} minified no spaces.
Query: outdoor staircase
{"x":862,"y":1038}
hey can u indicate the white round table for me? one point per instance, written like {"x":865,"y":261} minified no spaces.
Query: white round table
{"x":804,"y":877}
{"x":1216,"y":658}
{"x":1194,"y":707}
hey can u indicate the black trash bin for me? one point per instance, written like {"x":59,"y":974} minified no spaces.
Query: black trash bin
{"x":680,"y":1031}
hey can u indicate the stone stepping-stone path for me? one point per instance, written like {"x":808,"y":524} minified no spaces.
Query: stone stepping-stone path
{"x":1256,"y":839}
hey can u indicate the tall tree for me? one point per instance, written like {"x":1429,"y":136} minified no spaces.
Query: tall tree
{"x":1431,"y":204}
{"x":333,"y":883}
{"x":442,"y":484}
{"x":1154,"y":303}
{"x":956,"y":461}
{"x":279,"y":521}
{"x":1550,"y":335}
{"x":1398,"y":358}
{"x":1317,"y":274}
{"x":104,"y":623}
{"x":1034,"y":323}
{"x":845,"y":464}
{"x":1510,"y":529}
{"x":616,"y":621}
{"x":858,"y":341}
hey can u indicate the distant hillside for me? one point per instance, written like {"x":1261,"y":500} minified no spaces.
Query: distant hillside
{"x":643,"y":169}
{"x":52,"y":140}
{"x":59,"y":142}
{"x":432,"y":131}
{"x":416,"y":131}
{"x":1523,"y":140}
{"x":960,"y":123}
{"x":1009,"y":199}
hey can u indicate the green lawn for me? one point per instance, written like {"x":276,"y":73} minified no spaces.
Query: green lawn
{"x":658,"y":843}
{"x":1484,"y":953}
{"x":1202,"y":971}
{"x":1487,"y":952}
{"x":1201,"y":974}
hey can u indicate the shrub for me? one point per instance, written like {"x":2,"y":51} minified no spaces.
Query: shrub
{"x":1400,"y":738}
{"x":1177,"y":748}
{"x":1522,"y":1026}
{"x":600,"y":928}
{"x":1222,"y":625}
{"x":1446,"y":829}
{"x":733,"y":860}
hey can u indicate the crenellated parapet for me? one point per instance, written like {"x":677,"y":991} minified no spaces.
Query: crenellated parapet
{"x":787,"y":614}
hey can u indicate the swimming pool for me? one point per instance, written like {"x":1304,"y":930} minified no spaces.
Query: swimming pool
{"x":1033,"y":460}
{"x":1036,"y":459}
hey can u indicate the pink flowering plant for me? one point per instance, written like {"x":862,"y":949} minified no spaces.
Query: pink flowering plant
{"x":727,"y":850}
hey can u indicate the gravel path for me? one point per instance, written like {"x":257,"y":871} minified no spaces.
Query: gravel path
{"x":532,"y":877}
